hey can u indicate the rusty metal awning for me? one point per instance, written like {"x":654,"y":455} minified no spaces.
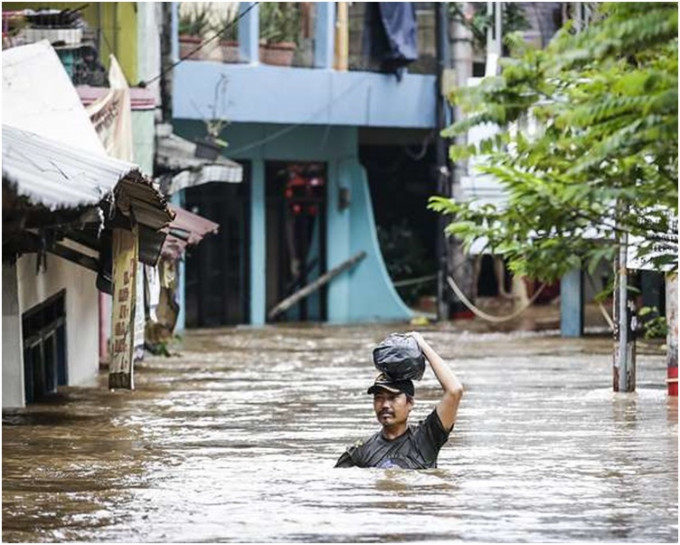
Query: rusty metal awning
{"x":177,"y":156}
{"x":187,"y":229}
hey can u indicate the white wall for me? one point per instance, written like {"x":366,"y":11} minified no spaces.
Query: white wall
{"x":149,"y":20}
{"x":82,"y":318}
{"x":12,"y":354}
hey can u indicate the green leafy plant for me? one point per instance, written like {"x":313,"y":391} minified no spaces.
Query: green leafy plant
{"x":480,"y":20}
{"x":195,"y":23}
{"x":653,"y":324}
{"x":215,"y":124}
{"x":227,"y":28}
{"x":600,"y":162}
{"x":280,"y":22}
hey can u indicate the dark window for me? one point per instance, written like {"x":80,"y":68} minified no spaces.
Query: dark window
{"x":44,"y":340}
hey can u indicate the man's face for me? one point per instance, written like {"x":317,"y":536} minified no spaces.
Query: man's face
{"x":391,"y":409}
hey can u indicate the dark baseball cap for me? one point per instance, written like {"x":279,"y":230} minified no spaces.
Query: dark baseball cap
{"x":383,"y":382}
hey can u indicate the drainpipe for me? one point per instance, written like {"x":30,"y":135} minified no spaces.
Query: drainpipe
{"x":168,"y":11}
{"x":443,"y":172}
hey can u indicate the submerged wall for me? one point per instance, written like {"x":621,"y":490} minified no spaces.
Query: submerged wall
{"x":82,"y":317}
{"x":12,"y":354}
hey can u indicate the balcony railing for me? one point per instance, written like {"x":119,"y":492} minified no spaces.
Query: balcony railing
{"x":287,"y":34}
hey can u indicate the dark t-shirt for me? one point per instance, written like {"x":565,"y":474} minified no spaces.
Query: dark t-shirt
{"x":417,"y":448}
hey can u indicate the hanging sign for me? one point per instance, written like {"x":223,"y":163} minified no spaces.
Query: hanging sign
{"x":125,"y":255}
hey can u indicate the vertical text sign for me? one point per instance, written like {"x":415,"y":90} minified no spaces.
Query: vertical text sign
{"x":125,"y":253}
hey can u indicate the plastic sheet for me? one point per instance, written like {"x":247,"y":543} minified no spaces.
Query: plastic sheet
{"x":399,"y":356}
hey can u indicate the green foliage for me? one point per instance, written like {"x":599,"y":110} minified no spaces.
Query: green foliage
{"x":587,"y":145}
{"x":280,"y":22}
{"x":227,"y":28}
{"x":479,"y":20}
{"x":654,"y":325}
{"x":195,"y":23}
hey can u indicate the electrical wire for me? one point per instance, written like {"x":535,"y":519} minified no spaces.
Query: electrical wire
{"x":294,"y":126}
{"x":199,"y":46}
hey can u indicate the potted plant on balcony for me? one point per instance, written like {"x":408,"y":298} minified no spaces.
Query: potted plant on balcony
{"x":210,"y":146}
{"x":279,"y":32}
{"x":194,"y":23}
{"x":228,"y":30}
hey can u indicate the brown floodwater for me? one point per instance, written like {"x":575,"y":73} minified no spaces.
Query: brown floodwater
{"x":235,"y":440}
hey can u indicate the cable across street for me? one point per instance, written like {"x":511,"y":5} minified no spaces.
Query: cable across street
{"x":200,"y":46}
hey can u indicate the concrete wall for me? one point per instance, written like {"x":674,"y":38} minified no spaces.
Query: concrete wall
{"x":373,"y":296}
{"x":272,"y":94}
{"x":143,"y":134}
{"x":12,"y":353}
{"x":82,"y":318}
{"x":149,"y":19}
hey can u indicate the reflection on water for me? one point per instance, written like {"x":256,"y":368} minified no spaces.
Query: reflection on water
{"x":235,"y":441}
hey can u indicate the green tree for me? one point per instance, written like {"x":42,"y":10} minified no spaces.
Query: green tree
{"x":601,"y":159}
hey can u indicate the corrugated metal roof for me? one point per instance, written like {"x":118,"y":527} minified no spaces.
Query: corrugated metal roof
{"x":194,"y":225}
{"x":175,"y":153}
{"x":185,"y":230}
{"x":55,"y":175}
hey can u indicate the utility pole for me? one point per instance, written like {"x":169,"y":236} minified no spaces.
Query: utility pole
{"x":166,"y":61}
{"x":442,"y":167}
{"x":460,"y":265}
{"x":624,"y":325}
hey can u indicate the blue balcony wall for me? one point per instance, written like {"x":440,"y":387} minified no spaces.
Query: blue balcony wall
{"x":258,"y":93}
{"x":366,"y":292}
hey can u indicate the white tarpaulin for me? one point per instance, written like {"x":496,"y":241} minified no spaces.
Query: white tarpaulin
{"x":53,"y":111}
{"x":111,"y":115}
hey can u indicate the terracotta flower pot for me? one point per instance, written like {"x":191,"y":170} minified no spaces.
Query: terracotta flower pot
{"x":209,"y":52}
{"x":280,"y":54}
{"x":186,"y":45}
{"x":230,"y":51}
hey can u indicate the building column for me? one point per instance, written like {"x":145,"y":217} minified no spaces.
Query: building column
{"x":571,"y":304}
{"x":258,"y":244}
{"x":174,"y":31}
{"x":249,"y":32}
{"x":12,"y":350}
{"x":324,"y":35}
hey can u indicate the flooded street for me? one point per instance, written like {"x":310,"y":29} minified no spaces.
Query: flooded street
{"x":235,"y":440}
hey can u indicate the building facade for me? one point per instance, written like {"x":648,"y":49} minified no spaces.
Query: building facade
{"x":304,"y":133}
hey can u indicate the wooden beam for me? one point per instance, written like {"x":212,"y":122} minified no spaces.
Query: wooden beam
{"x":76,"y":257}
{"x":311,"y":288}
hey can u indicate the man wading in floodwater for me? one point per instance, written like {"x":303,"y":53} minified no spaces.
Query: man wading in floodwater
{"x":398,"y":444}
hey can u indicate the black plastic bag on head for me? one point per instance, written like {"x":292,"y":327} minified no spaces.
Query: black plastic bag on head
{"x":399,"y":356}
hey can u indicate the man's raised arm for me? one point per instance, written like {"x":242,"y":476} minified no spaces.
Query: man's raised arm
{"x":453,"y":389}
